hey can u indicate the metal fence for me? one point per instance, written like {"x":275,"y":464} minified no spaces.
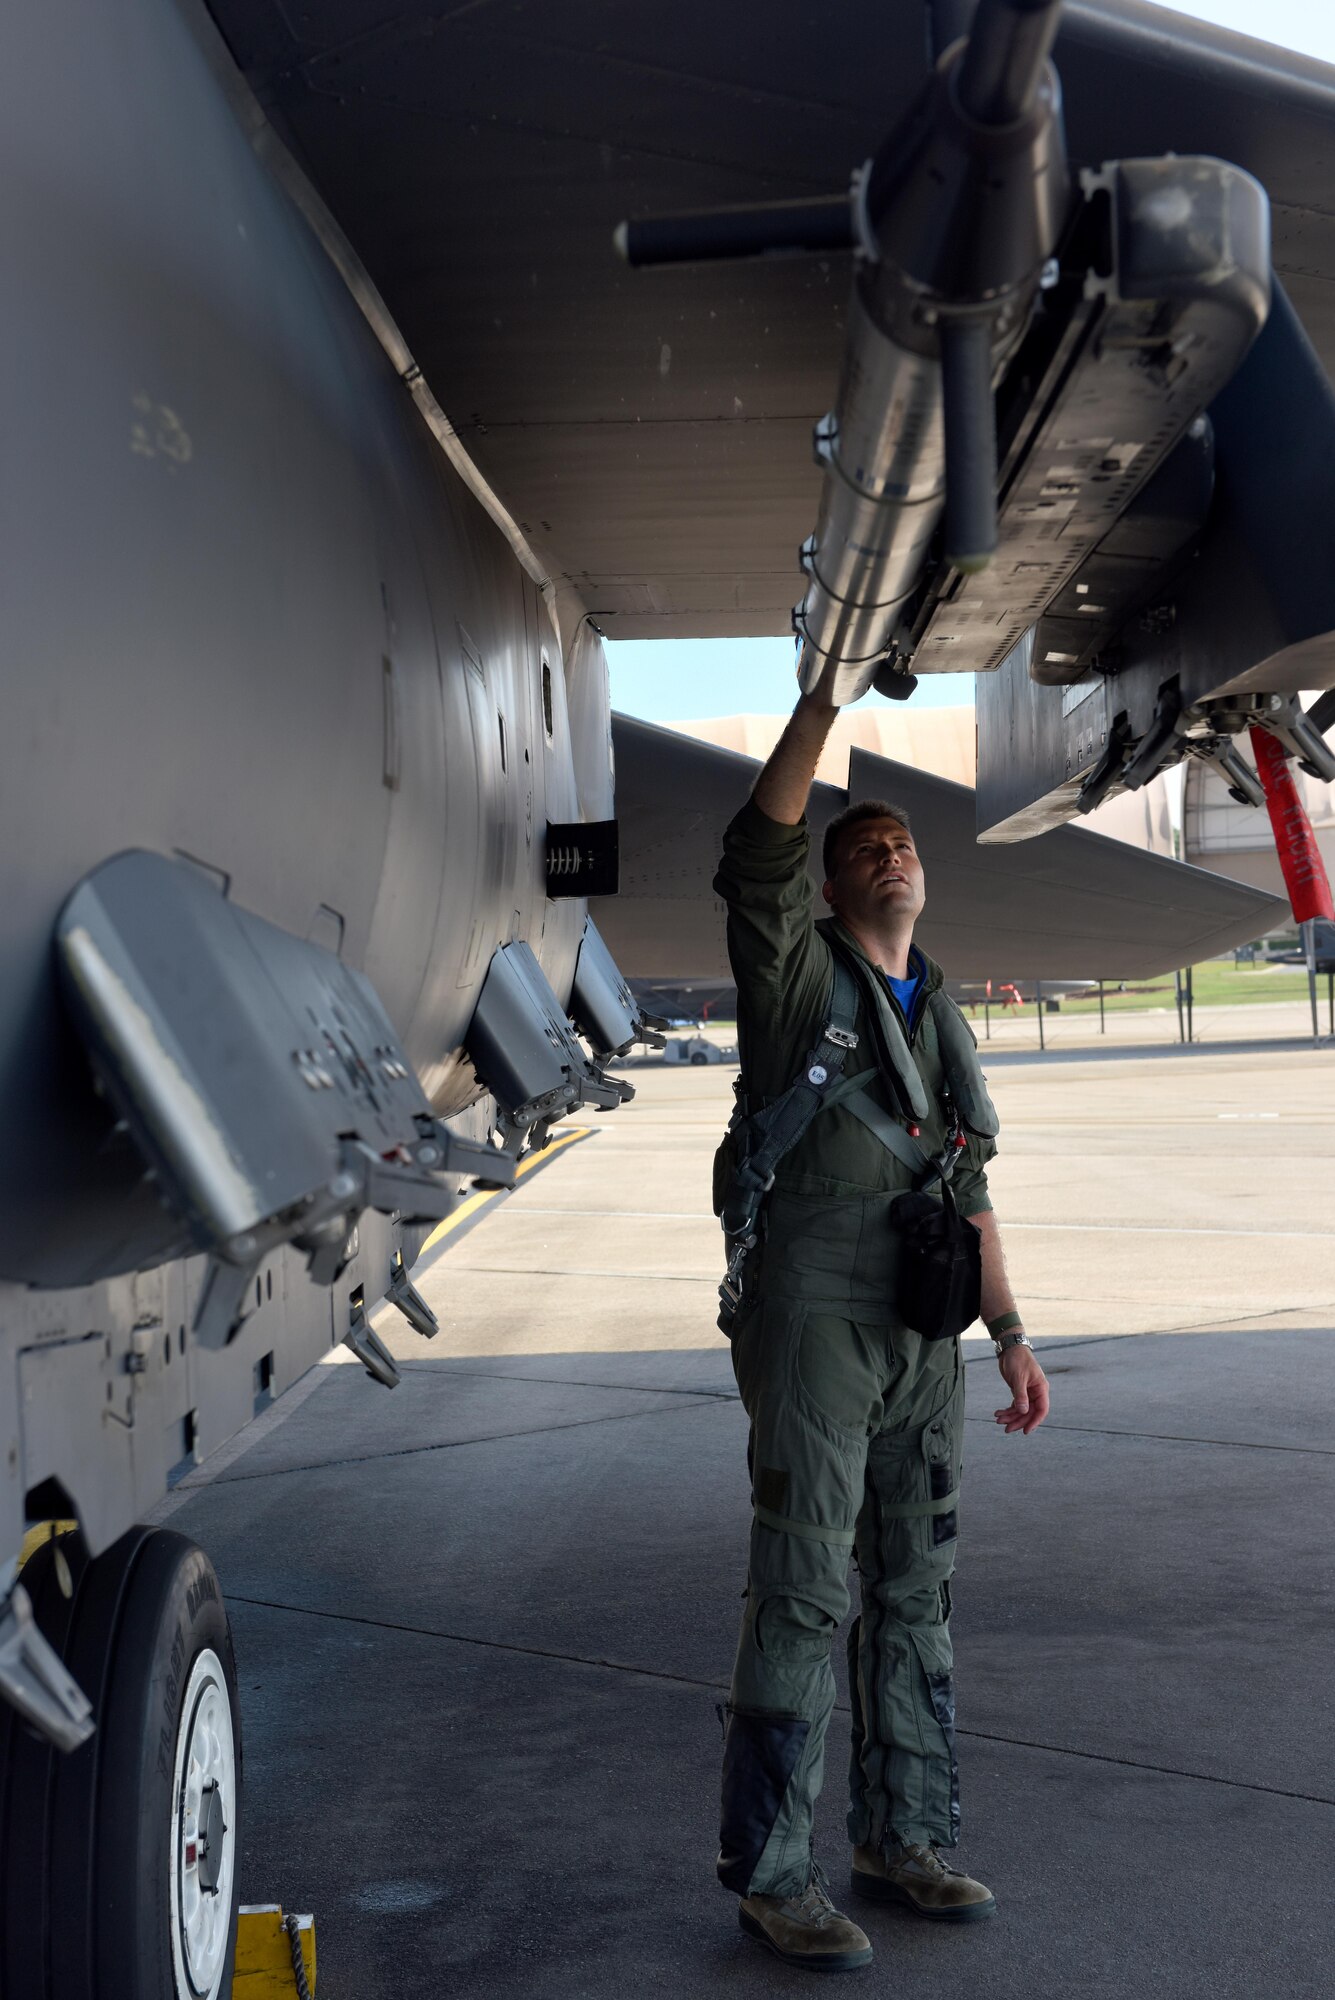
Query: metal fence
{"x":1048,"y":1015}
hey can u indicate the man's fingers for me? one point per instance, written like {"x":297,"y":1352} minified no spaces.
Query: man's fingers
{"x":1027,"y":1410}
{"x":1015,"y":1416}
{"x":1039,"y":1405}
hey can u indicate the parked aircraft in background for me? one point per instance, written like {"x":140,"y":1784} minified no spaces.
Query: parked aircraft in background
{"x":1017,"y":993}
{"x":1323,"y":951}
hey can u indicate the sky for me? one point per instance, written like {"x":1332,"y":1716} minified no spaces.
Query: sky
{"x":679,"y":680}
{"x":687,"y":680}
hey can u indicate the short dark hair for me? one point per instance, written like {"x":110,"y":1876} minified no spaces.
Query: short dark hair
{"x":850,"y":816}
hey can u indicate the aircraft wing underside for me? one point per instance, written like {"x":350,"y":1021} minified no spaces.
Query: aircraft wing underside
{"x":651,"y":431}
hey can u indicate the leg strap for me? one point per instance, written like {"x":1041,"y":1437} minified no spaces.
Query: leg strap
{"x":915,"y":1510}
{"x":839,"y":1538}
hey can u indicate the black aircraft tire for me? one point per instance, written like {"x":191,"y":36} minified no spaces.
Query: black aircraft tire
{"x":172,"y":1622}
{"x":26,"y":1770}
{"x":120,"y":1916}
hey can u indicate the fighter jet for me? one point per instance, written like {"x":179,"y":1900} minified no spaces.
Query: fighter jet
{"x":1074,"y":902}
{"x":335,"y":425}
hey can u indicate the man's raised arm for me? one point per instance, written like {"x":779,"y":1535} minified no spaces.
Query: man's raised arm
{"x":784,"y":783}
{"x":780,"y":965}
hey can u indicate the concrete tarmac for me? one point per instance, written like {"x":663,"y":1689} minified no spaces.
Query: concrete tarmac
{"x":482,"y":1621}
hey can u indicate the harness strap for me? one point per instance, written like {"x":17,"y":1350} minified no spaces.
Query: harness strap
{"x":916,"y":1510}
{"x":895,"y":1139}
{"x":888,"y":1130}
{"x":839,"y":1538}
{"x":777,"y":1129}
{"x":843,"y":1538}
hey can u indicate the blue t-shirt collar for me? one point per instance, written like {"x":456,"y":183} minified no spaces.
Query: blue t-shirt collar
{"x":906,"y":990}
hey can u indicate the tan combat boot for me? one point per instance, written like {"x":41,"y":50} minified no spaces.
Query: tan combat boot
{"x":806,"y":1930}
{"x":918,"y":1878}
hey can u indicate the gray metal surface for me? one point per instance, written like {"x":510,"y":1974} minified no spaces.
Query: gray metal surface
{"x":660,"y":478}
{"x":526,"y":1050}
{"x":254,"y":1071}
{"x":957,"y":217}
{"x":259,"y":626}
{"x":1073,"y":905}
{"x":651,"y":431}
{"x":882,"y":449}
{"x":274,"y":633}
{"x":1148,"y":348}
{"x":33,"y":1678}
{"x":1252,"y":611}
{"x":601,"y":1003}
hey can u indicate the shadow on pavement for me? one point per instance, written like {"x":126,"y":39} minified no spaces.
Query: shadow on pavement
{"x":482,"y":1626}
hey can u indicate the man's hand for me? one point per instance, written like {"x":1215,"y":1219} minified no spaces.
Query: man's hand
{"x":1029,"y":1391}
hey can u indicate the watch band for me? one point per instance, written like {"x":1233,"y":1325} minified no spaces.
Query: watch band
{"x":1008,"y":1340}
{"x":1003,"y":1323}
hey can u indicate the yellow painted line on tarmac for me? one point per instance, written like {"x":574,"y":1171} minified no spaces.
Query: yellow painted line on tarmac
{"x":467,"y":1211}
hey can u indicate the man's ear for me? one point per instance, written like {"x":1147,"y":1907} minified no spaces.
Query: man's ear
{"x":827,"y":890}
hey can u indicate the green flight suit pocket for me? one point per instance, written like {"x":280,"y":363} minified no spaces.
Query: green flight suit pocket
{"x":942,"y":1457}
{"x":819,"y":1244}
{"x":915,"y":1477}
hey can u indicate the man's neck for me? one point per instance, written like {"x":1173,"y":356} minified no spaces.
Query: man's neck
{"x":887,"y":948}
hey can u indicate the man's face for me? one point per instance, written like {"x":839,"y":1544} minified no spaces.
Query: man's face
{"x":877,"y":873}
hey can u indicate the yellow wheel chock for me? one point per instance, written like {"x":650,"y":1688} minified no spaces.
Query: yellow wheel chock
{"x":265,"y":1955}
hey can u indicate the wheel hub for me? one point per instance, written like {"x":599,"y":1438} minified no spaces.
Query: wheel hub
{"x":204,"y":1843}
{"x":212,"y":1834}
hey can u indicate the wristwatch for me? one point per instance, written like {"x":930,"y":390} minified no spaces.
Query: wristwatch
{"x":1007,"y":1330}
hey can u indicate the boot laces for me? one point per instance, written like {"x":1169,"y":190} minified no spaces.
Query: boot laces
{"x":928,"y":1858}
{"x":813,"y":1906}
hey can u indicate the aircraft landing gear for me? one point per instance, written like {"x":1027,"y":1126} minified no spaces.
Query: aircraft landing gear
{"x":121,"y":1856}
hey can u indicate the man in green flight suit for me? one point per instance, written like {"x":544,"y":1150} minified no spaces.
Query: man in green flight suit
{"x":856,"y":1420}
